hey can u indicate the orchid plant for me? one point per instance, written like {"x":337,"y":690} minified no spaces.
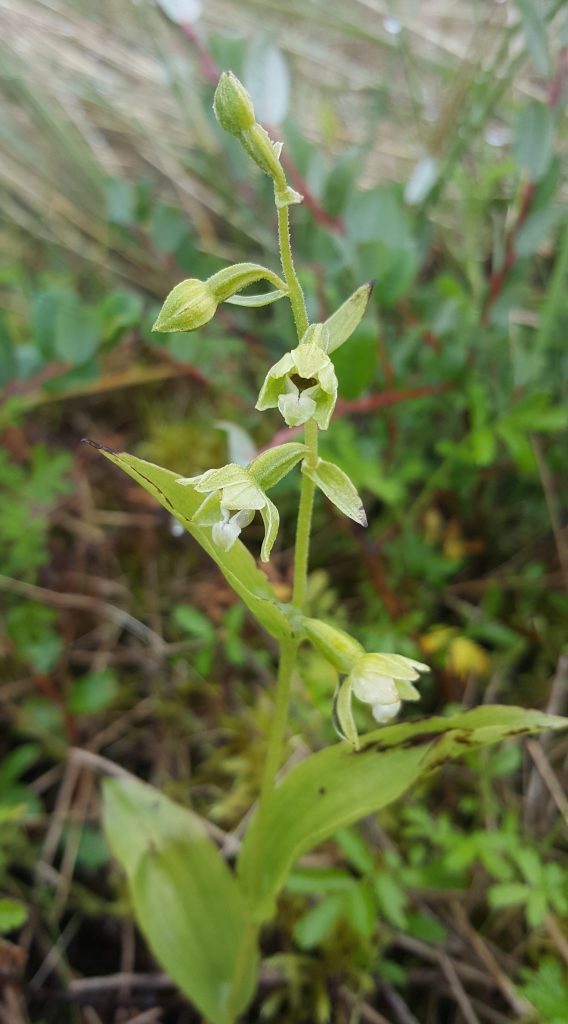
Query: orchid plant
{"x":202,"y":919}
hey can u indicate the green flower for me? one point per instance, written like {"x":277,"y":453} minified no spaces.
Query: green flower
{"x":384,"y":681}
{"x":381,"y":680}
{"x":302,"y":385}
{"x":232,"y":497}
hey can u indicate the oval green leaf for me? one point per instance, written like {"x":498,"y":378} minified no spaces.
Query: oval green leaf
{"x":188,"y":904}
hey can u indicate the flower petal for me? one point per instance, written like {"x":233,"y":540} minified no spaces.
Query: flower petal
{"x":406,"y":690}
{"x":342,"y":715}
{"x":397,"y":666}
{"x":374,"y":689}
{"x":271,"y":521}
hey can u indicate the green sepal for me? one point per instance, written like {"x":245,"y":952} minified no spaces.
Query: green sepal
{"x":343,"y":322}
{"x":396,"y":666}
{"x":271,"y":520}
{"x":406,"y":690}
{"x":342,"y":714}
{"x":337,"y":646}
{"x":274,"y":464}
{"x":337,"y":486}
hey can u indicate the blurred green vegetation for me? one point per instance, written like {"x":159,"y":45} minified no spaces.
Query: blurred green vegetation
{"x":431,"y":149}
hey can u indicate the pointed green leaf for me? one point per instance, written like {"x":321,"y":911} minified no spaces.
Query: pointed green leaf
{"x":337,"y":786}
{"x":343,"y":322}
{"x":274,"y":464}
{"x":337,"y":486}
{"x":237,"y":565}
{"x":188,"y":904}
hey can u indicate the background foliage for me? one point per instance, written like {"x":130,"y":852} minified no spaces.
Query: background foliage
{"x":430,"y":146}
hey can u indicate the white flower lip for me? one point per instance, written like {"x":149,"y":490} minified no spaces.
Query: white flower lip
{"x":227,"y":530}
{"x":296,"y":407}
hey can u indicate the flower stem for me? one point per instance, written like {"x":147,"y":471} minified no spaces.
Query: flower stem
{"x":288,"y":648}
{"x":304,"y":527}
{"x":287,"y":661}
{"x":295,"y":292}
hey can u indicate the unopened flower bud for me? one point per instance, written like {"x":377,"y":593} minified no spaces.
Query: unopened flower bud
{"x":190,"y":305}
{"x":232,"y":105}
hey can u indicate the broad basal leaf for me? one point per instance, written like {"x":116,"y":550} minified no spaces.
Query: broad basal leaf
{"x":237,"y":565}
{"x":338,"y":786}
{"x":187,"y":903}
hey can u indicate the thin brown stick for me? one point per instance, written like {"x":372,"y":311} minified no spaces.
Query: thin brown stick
{"x":458,"y":991}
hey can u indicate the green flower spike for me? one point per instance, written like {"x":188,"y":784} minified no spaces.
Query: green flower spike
{"x":302,"y":385}
{"x":234,"y":493}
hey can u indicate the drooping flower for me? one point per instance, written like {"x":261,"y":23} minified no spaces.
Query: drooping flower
{"x":303,"y":384}
{"x":384,"y":681}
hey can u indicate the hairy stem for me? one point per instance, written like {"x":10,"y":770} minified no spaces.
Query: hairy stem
{"x":287,"y":661}
{"x":295,"y":292}
{"x":288,"y":648}
{"x":304,"y":527}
